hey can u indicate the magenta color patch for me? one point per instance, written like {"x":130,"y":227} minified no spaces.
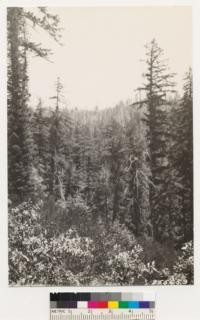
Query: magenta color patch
{"x":92,"y":304}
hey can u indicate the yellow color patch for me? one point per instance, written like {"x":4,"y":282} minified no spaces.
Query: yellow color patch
{"x":113,"y":304}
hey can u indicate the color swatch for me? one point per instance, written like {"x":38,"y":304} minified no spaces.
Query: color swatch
{"x":101,"y":300}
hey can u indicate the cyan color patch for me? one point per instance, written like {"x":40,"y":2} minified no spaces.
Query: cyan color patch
{"x":133,"y":304}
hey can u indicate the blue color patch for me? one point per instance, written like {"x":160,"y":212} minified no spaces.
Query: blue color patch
{"x":133,"y":304}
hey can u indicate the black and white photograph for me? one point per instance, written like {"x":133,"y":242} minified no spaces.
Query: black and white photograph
{"x":100,"y":146}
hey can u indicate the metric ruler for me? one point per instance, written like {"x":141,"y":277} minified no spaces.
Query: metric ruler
{"x":102,"y":306}
{"x":98,"y":314}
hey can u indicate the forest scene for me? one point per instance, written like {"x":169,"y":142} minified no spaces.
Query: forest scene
{"x":96,"y":195}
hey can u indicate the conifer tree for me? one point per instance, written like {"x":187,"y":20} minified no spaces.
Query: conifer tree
{"x":187,"y":156}
{"x":182,"y":160}
{"x":58,"y":146}
{"x":113,"y":155}
{"x":19,"y":133}
{"x":136,"y":175}
{"x":41,"y":136}
{"x":101,"y":205}
{"x":78,"y":157}
{"x":89,"y":165}
{"x":20,"y":144}
{"x":156,"y":89}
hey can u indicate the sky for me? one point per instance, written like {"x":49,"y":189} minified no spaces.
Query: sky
{"x":99,"y":62}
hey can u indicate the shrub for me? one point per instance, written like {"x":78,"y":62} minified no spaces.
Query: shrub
{"x":35,"y":259}
{"x":118,"y":257}
{"x":58,"y":216}
{"x":110,"y":255}
{"x":182,"y":272}
{"x":164,"y":254}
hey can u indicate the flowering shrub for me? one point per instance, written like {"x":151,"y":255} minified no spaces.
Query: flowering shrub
{"x":125,"y":267}
{"x":35,"y":259}
{"x":106,"y":238}
{"x":111,"y":255}
{"x":118,"y":257}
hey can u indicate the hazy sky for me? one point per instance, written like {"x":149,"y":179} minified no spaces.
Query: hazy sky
{"x":99,"y":63}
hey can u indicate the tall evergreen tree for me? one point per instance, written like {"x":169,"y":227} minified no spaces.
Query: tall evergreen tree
{"x":136,"y":175}
{"x":41,"y":137}
{"x":20,"y":144}
{"x":58,"y":146}
{"x":158,"y":85}
{"x":19,"y":133}
{"x":78,"y":157}
{"x":182,"y":160}
{"x":89,"y":165}
{"x":113,"y":155}
{"x":187,"y":159}
{"x":55,"y":145}
{"x":102,"y":204}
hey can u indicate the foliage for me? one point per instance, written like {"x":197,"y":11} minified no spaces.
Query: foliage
{"x":158,"y":84}
{"x":181,"y":155}
{"x":163,"y":254}
{"x":182,"y":272}
{"x":34,"y":258}
{"x":20,"y":135}
{"x":125,"y":266}
{"x":111,"y":190}
{"x":112,"y":255}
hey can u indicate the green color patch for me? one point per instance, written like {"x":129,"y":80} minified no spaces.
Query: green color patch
{"x":123,"y":304}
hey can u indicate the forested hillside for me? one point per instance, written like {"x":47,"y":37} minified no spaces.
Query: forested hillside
{"x":102,"y":196}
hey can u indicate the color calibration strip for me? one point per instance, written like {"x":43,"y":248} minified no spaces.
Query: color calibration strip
{"x":102,"y":306}
{"x":102,"y":300}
